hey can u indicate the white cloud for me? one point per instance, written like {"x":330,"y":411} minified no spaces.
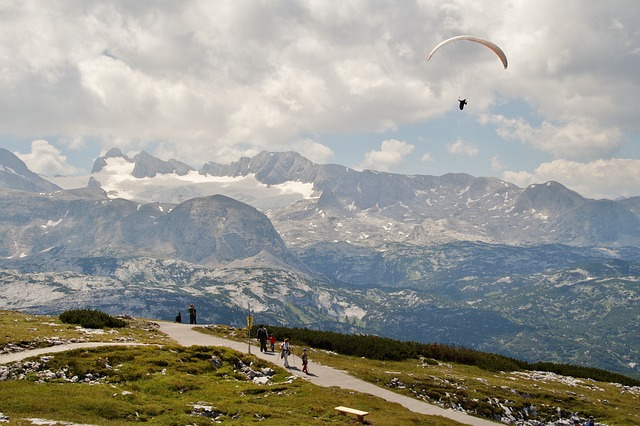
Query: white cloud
{"x":577,"y":63}
{"x":45,"y":159}
{"x":203,"y":76}
{"x":73,"y":143}
{"x":575,"y":140}
{"x":597,"y":179}
{"x":205,"y":81}
{"x":496,"y":164}
{"x":314,"y":151}
{"x":463,"y":148}
{"x":391,"y":152}
{"x":427,"y":157}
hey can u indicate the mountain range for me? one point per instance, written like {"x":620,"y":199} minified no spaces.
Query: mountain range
{"x":538,"y":273}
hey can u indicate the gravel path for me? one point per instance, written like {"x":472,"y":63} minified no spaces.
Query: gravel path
{"x":321,"y":375}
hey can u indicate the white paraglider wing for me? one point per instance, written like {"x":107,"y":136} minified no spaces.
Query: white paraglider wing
{"x":482,"y":41}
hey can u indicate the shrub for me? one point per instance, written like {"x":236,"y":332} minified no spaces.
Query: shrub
{"x":382,"y":348}
{"x":91,"y":318}
{"x":585,"y":373}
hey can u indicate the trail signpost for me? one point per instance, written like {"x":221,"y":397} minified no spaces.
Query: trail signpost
{"x":249,"y":325}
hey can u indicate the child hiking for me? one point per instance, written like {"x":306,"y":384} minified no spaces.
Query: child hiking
{"x":272,"y":342}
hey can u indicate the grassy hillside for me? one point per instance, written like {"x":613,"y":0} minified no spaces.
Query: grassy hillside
{"x":173,"y":385}
{"x":169,"y":385}
{"x":478,"y":382}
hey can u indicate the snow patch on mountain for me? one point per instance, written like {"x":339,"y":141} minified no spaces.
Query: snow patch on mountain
{"x":51,"y":223}
{"x":116,"y":178}
{"x":303,"y":188}
{"x":9,"y":170}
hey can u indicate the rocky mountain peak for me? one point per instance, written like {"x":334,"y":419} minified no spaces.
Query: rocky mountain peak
{"x":146,"y":165}
{"x":116,"y":153}
{"x":14,"y":174}
{"x":276,"y":168}
{"x":101,"y":162}
{"x":551,"y":197}
{"x":219,"y":229}
{"x":271,"y":168}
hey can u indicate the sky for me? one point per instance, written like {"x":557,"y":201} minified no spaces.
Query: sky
{"x":343,"y":82}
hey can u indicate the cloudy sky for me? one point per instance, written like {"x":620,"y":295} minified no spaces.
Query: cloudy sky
{"x":343,"y":82}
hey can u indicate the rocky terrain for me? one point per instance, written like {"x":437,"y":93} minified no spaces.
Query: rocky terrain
{"x":538,"y":273}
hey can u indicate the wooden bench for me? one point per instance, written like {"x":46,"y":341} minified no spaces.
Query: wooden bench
{"x":359,"y":414}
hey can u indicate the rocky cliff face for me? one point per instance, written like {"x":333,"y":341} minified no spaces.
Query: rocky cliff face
{"x":14,"y":174}
{"x":269,"y":168}
{"x":148,"y":166}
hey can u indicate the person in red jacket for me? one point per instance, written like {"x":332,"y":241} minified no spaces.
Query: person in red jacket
{"x":272,"y":342}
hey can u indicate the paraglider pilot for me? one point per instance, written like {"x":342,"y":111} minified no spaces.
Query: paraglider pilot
{"x":463,"y":102}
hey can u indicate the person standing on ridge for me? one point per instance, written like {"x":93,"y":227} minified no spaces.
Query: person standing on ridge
{"x":263,"y":336}
{"x":192,"y":314}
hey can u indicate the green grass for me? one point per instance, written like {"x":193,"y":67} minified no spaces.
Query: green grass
{"x":160,"y":386}
{"x":475,"y":388}
{"x":22,"y":329}
{"x":464,"y":385}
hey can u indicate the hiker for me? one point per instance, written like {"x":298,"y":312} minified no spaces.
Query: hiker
{"x":285,"y":351}
{"x":272,"y":341}
{"x":179,"y":317}
{"x":305,"y":361}
{"x":192,"y":314}
{"x":591,"y":422}
{"x":263,"y":336}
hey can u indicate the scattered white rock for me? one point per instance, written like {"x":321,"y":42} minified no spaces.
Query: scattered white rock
{"x":261,"y":380}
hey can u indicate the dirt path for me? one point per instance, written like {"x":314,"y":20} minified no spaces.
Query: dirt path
{"x":321,"y":375}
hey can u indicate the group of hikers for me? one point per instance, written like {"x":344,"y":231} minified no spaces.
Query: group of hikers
{"x":263,"y":337}
{"x":285,"y":348}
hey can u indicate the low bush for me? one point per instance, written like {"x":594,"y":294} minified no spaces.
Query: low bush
{"x":582,"y":372}
{"x":91,"y":318}
{"x":386,"y":349}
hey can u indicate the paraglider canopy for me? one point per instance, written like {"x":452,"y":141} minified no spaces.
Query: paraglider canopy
{"x":486,"y":43}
